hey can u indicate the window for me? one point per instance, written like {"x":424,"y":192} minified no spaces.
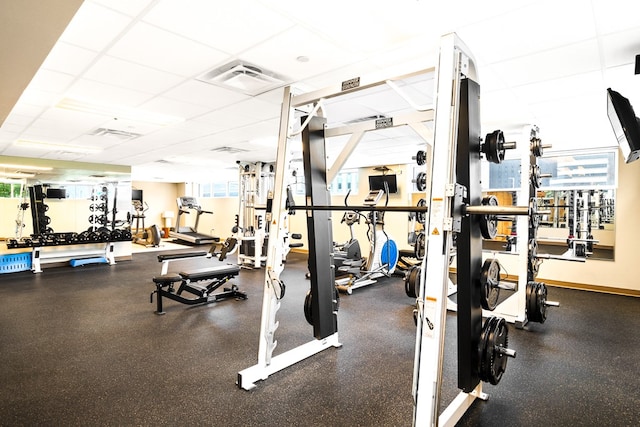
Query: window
{"x":345,"y":181}
{"x":218,"y":189}
{"x":10,"y":190}
{"x":580,"y":170}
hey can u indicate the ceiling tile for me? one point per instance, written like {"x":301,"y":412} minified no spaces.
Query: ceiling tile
{"x":615,"y":15}
{"x":131,"y":76}
{"x":51,"y":81}
{"x":128,"y":7}
{"x":197,"y":92}
{"x":173,"y":107}
{"x":104,"y":93}
{"x":159,"y":49}
{"x":94,"y":27}
{"x":537,"y":27}
{"x":69,"y":59}
{"x":229,"y":26}
{"x":621,"y":48}
{"x":279,"y":53}
{"x":551,"y":64}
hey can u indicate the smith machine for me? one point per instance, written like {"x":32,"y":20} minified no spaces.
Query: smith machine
{"x":454,"y":197}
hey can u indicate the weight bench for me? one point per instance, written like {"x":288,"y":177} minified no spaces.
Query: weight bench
{"x":219,"y":249}
{"x":216,"y":277}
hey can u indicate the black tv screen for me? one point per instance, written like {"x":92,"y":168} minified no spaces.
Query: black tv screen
{"x":625,"y":124}
{"x":136,"y":195}
{"x":56,"y":193}
{"x":376,"y":182}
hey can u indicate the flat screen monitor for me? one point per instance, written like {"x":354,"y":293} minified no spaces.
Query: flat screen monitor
{"x":376,"y":182}
{"x":136,"y":195}
{"x":625,"y":124}
{"x":56,"y":193}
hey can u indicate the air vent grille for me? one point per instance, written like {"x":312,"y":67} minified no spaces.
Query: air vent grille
{"x":120,"y":134}
{"x":227,"y":149}
{"x":244,"y":77}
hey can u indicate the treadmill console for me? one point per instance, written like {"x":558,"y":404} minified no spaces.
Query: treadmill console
{"x":188,"y":202}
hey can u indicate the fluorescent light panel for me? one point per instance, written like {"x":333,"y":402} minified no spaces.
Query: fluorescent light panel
{"x":118,"y":112}
{"x":27,"y":167}
{"x":16,"y":175}
{"x":51,"y":146}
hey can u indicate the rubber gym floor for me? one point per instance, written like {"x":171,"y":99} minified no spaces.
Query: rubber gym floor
{"x":82,"y":346}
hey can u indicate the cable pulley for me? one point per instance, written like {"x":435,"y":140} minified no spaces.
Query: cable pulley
{"x":493,"y":351}
{"x":490,"y":283}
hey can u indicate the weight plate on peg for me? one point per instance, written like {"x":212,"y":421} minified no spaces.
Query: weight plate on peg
{"x":308,"y":312}
{"x":412,"y":281}
{"x":489,"y":282}
{"x":534,"y":176}
{"x":421,"y":181}
{"x":534,"y":218}
{"x":536,"y":302}
{"x":493,"y":340}
{"x":533,"y":262}
{"x":536,"y":147}
{"x":419,"y":247}
{"x":421,"y":157}
{"x":493,"y":147}
{"x":421,"y":217}
{"x":489,"y":223}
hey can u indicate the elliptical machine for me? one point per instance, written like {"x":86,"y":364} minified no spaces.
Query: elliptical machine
{"x":348,"y":255}
{"x":383,"y":254}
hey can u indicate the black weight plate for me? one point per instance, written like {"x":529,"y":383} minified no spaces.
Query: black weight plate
{"x":421,"y":181}
{"x":493,"y":147}
{"x":412,"y":281}
{"x":534,"y":176}
{"x":421,"y":157}
{"x":419,"y":247}
{"x":489,"y":281}
{"x":421,"y":217}
{"x":489,"y":223}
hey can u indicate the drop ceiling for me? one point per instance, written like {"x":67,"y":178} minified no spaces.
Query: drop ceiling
{"x":540,"y":62}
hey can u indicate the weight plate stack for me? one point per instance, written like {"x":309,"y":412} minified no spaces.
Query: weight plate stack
{"x":412,"y":281}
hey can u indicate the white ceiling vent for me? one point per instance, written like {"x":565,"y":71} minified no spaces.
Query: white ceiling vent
{"x":243,"y":77}
{"x":229,"y":150}
{"x":115,"y":133}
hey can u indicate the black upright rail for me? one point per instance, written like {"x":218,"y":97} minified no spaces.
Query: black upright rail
{"x":469,"y":241}
{"x":319,"y":230}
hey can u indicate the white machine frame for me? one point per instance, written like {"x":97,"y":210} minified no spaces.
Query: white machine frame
{"x":455,"y":61}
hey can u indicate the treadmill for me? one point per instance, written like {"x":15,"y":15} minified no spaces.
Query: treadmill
{"x":190,"y":234}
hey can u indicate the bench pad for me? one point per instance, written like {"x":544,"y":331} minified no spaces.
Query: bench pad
{"x":210,"y":273}
{"x":168,"y":257}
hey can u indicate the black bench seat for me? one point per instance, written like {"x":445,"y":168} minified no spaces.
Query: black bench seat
{"x":210,"y":273}
{"x":174,"y":256}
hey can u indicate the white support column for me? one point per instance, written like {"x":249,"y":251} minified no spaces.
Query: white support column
{"x":454,"y":61}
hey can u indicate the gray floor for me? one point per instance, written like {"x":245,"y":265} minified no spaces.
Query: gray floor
{"x":83,"y":347}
